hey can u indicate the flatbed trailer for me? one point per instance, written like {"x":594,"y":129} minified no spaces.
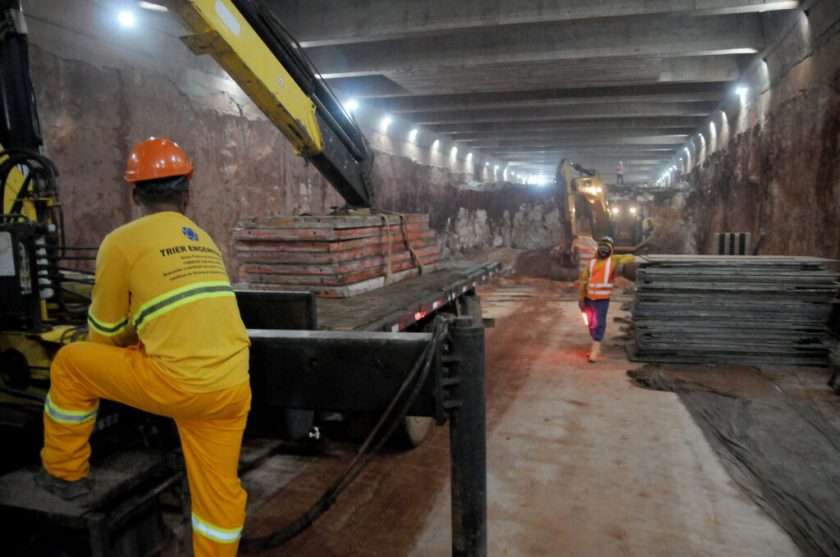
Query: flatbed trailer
{"x":406,"y":306}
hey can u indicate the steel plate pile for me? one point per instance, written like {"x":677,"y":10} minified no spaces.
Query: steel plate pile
{"x":334,"y":256}
{"x":744,"y":309}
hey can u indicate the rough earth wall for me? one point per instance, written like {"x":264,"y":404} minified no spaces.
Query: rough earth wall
{"x":778,"y":173}
{"x":101,"y":89}
{"x":467,"y":220}
{"x":92,"y":115}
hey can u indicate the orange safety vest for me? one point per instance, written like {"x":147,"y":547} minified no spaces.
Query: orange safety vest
{"x":601,"y":279}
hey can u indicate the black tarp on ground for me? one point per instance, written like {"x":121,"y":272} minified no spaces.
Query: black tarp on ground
{"x":776,"y":432}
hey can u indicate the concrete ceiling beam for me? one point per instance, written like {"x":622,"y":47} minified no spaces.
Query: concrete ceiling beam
{"x":548,"y":143}
{"x":325,"y":22}
{"x":666,"y":92}
{"x":626,"y":154}
{"x":594,"y":111}
{"x":412,"y":105}
{"x":487,"y":128}
{"x":554,"y":135}
{"x":593,"y":73}
{"x":666,"y":36}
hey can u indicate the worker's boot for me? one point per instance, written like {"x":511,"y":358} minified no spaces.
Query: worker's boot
{"x":63,"y":488}
{"x":595,"y":353}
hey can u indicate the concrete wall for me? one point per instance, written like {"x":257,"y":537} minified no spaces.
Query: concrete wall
{"x":101,"y":89}
{"x":768,"y":162}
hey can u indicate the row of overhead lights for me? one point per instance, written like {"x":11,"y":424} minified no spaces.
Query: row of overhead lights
{"x":385,"y":122}
{"x":128,"y":18}
{"x":742,"y":91}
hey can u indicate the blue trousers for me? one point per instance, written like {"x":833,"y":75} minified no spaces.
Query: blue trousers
{"x":596,"y":313}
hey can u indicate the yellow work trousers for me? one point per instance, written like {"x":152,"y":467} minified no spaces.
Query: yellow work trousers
{"x":210,"y":426}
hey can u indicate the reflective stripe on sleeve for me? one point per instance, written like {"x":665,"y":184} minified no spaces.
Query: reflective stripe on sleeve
{"x":64,"y":416}
{"x":104,"y":328}
{"x":179,"y":297}
{"x":215,"y":533}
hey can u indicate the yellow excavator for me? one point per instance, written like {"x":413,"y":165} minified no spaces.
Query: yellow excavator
{"x":589,"y":216}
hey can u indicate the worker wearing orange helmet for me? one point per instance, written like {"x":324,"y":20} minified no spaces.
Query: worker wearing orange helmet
{"x":595,"y":289}
{"x":165,"y":337}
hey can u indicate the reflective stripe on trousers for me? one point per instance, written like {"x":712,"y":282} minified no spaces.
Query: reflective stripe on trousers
{"x":65,"y":416}
{"x":215,"y":533}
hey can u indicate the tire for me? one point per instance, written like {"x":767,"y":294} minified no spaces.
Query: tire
{"x":412,"y":431}
{"x":297,"y":424}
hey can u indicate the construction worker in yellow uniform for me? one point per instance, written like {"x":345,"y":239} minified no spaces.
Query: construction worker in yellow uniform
{"x":595,"y":289}
{"x":165,"y":337}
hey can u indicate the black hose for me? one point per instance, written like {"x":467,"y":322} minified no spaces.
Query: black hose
{"x":418,"y":375}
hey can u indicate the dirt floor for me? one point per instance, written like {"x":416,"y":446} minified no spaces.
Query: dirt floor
{"x":580,"y":461}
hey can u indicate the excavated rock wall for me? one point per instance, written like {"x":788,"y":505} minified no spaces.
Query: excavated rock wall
{"x":779,"y":171}
{"x":92,"y":115}
{"x":466,"y":219}
{"x":779,"y":177}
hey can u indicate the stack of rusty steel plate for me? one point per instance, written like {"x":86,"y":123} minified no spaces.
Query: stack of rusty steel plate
{"x":334,"y":256}
{"x":741,"y":309}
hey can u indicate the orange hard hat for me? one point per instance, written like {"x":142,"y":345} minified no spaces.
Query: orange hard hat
{"x":157,"y":158}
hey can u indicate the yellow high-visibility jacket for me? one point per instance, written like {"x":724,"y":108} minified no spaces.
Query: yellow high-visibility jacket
{"x":599,"y":277}
{"x":161,"y":280}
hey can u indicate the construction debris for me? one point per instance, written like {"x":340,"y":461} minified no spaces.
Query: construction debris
{"x":334,"y":256}
{"x":727,"y":309}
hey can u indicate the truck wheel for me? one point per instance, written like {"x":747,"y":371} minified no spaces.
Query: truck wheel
{"x":297,"y":424}
{"x":412,"y":431}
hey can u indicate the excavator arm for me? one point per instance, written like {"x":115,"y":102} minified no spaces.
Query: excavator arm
{"x":248,"y":41}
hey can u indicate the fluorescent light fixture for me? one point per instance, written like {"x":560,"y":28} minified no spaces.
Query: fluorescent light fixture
{"x":454,"y":152}
{"x":742,"y":90}
{"x":412,"y":135}
{"x":151,"y":6}
{"x":435,"y":144}
{"x":632,"y":210}
{"x":386,"y":121}
{"x":543,"y":180}
{"x":487,"y":163}
{"x":351,"y":105}
{"x":126,"y":18}
{"x":469,"y":157}
{"x":616,"y":210}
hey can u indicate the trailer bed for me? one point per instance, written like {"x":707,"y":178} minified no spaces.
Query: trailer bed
{"x":399,"y":305}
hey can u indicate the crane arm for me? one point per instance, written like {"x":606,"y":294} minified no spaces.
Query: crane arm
{"x":247,"y":40}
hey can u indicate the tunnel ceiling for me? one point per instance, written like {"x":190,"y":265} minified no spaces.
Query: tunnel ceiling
{"x":532,"y":81}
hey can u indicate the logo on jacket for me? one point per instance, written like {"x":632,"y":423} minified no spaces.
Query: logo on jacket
{"x":190,"y":233}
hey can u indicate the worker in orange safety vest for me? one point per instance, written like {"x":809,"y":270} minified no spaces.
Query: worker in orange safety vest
{"x":596,"y":286}
{"x":165,"y":337}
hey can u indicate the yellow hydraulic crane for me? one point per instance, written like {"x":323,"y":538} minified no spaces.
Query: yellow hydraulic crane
{"x":252,"y":46}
